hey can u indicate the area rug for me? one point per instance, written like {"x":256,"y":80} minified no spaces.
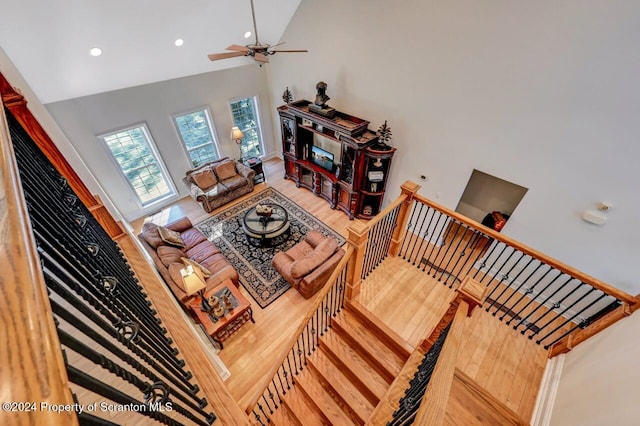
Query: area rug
{"x":253,"y":264}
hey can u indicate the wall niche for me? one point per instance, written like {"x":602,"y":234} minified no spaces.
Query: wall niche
{"x":485,"y":194}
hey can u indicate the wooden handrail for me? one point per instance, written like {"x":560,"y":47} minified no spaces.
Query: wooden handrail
{"x":32,"y":368}
{"x":282,"y":355}
{"x":434,"y":403}
{"x":585,"y":278}
{"x":579,"y":336}
{"x":17,"y":104}
{"x":395,"y":203}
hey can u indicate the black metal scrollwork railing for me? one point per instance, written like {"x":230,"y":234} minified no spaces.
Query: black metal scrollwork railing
{"x":102,"y":314}
{"x":410,"y":402}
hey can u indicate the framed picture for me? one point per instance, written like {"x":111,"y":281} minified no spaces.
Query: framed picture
{"x":319,"y":127}
{"x":307,"y":122}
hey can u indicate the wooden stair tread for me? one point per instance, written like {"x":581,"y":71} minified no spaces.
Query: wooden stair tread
{"x":330,"y":409}
{"x":283,"y":417}
{"x":341,"y":387}
{"x":370,"y":347}
{"x":301,"y":408}
{"x":372,"y":385}
{"x":393,"y":340}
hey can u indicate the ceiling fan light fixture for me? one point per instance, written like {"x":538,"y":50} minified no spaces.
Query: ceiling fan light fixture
{"x":256,"y":50}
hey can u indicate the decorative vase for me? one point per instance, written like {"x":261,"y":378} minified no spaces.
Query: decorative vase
{"x":227,"y":302}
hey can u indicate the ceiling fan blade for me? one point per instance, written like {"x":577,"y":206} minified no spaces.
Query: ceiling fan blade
{"x":238,"y":48}
{"x":288,"y":51}
{"x":216,"y":56}
{"x":261,"y":58}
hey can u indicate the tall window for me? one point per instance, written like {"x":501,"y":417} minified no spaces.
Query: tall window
{"x":197,"y":135}
{"x":134,"y":152}
{"x":245,"y":116}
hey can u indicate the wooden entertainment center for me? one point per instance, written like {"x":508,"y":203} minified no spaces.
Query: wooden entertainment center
{"x":338,"y":158}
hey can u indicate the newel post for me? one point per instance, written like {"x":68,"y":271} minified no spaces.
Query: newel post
{"x":472,"y":292}
{"x":409,"y":189}
{"x":358,"y":235}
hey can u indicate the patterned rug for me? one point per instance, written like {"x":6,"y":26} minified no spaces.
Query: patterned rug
{"x":257,"y":275}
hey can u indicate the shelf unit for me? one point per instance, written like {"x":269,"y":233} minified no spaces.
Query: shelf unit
{"x":357,"y":183}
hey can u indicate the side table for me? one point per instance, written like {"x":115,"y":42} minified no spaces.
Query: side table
{"x":220,"y":328}
{"x":256,"y":165}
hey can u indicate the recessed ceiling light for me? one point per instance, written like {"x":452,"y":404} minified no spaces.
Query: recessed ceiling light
{"x":247,"y":34}
{"x":96,"y":51}
{"x":179,"y":42}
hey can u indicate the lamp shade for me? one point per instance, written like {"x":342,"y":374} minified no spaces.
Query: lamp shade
{"x":236,"y":135}
{"x":193,"y":283}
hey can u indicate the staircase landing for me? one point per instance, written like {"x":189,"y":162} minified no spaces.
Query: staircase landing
{"x":498,"y":358}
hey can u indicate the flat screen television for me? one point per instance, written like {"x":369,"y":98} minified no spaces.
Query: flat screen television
{"x":322,"y":158}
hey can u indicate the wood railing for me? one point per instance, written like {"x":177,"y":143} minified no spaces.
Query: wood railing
{"x":327,"y":303}
{"x":548,"y":301}
{"x":17,"y":104}
{"x":32,"y":369}
{"x":114,"y":309}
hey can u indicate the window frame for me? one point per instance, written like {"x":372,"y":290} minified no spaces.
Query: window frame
{"x":256,"y":109}
{"x":154,"y":151}
{"x":212,"y":130}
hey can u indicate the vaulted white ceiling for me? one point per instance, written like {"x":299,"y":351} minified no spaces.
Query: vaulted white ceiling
{"x":49,"y":41}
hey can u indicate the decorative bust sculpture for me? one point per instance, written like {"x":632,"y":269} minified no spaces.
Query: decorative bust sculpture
{"x":321,"y":96}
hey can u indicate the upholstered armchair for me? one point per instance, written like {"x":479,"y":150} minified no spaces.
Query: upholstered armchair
{"x":308,"y":265}
{"x":218,"y":182}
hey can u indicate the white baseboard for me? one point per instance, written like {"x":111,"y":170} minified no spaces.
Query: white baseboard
{"x":547,"y":393}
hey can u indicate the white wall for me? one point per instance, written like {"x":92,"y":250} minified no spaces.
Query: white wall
{"x":599,"y":382}
{"x":542,"y":93}
{"x":47,"y":122}
{"x":82,"y":119}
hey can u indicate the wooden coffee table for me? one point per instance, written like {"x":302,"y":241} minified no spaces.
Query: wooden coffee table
{"x":221,"y":328}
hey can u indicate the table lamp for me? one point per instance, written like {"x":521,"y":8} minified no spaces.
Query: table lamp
{"x":194,"y":283}
{"x":237,"y":136}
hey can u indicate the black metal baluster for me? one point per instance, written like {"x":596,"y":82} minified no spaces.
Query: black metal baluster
{"x":408,"y":236}
{"x":514,"y":280}
{"x":529,"y":291}
{"x":535,"y":328}
{"x":505,"y":276}
{"x":431,"y":246}
{"x":417,"y":230}
{"x":525,"y":320}
{"x":453,"y":275}
{"x":583,"y":325}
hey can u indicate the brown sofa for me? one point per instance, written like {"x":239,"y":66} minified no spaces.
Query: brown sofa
{"x":308,"y":265}
{"x":167,"y":258}
{"x":218,"y":182}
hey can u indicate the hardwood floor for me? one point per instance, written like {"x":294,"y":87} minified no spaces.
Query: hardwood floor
{"x":407,"y":300}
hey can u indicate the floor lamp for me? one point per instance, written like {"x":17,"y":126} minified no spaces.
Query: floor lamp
{"x":237,"y":136}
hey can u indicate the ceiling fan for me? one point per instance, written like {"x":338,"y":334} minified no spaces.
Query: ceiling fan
{"x":257,"y":50}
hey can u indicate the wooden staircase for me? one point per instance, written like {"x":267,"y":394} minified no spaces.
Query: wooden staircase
{"x":347,"y":375}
